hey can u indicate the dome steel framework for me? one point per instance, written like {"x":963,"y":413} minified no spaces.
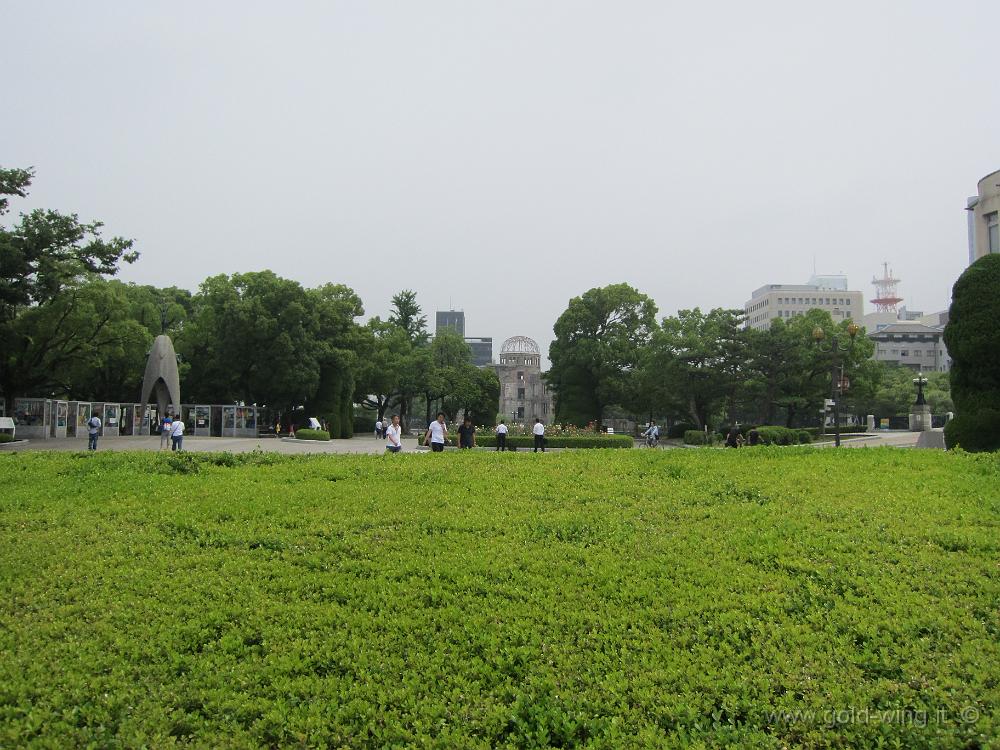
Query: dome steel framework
{"x":519,"y":345}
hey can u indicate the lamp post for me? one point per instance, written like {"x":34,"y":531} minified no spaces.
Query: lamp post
{"x":920,"y":381}
{"x":836,"y":370}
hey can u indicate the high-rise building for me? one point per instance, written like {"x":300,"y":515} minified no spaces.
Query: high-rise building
{"x":453,"y":319}
{"x":984,"y":211}
{"x":786,"y":301}
{"x":481,"y":346}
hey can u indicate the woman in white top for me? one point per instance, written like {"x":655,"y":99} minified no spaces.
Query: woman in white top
{"x":392,"y":443}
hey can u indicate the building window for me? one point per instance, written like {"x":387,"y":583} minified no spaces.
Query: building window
{"x":520,"y":394}
{"x":992,"y":233}
{"x":520,"y":376}
{"x":520,"y":412}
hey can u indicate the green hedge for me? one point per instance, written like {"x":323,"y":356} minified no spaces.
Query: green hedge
{"x":697,"y":437}
{"x":976,"y":432}
{"x":6,"y":437}
{"x":307,"y":434}
{"x":365,"y":424}
{"x":774,"y":435}
{"x":560,"y":441}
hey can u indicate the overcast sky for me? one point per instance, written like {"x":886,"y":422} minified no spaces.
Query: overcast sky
{"x":504,"y":157}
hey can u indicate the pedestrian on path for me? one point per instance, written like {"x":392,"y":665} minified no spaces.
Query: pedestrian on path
{"x":437,"y":433}
{"x":501,"y":436}
{"x":94,"y":425}
{"x":392,"y":433}
{"x":176,"y":435}
{"x":467,"y":435}
{"x":539,"y":432}
{"x":166,"y":427}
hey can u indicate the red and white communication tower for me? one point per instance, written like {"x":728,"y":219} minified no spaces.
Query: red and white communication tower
{"x":886,"y":299}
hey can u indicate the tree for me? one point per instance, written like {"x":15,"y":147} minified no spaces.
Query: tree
{"x":406,"y":314}
{"x":253,"y":338}
{"x":974,"y":346}
{"x":697,"y":361}
{"x":337,"y":338}
{"x":48,"y":323}
{"x":598,"y":344}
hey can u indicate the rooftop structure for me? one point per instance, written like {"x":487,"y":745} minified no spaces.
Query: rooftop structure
{"x":886,"y":298}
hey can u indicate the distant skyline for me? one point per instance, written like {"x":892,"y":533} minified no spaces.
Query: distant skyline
{"x":502,"y":158}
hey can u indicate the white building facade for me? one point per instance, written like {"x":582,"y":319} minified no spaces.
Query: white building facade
{"x":984,"y":218}
{"x":787,"y":301}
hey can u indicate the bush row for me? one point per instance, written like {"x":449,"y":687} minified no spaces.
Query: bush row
{"x":557,"y":441}
{"x":769,"y":435}
{"x":307,"y":434}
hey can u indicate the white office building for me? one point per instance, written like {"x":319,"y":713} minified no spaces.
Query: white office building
{"x":787,"y":301}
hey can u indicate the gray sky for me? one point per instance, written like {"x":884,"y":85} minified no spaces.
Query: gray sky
{"x":507,"y":156}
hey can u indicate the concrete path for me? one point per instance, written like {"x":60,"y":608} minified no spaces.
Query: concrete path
{"x":358,"y":444}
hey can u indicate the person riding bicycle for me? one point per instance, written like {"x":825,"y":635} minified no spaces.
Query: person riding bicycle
{"x":652,"y":434}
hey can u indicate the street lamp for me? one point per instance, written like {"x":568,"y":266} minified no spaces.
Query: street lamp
{"x":920,"y":381}
{"x":836,"y":370}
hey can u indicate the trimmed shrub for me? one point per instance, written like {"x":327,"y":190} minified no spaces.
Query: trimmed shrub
{"x":678,"y":430}
{"x":365,"y":424}
{"x":971,"y":338}
{"x":974,"y":432}
{"x":307,"y":434}
{"x":775,"y":435}
{"x":696,"y":437}
{"x":6,"y":437}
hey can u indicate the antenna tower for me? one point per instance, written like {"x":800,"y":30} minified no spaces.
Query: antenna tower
{"x":886,"y":298}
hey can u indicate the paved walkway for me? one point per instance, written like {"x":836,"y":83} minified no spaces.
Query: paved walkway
{"x":358,"y":444}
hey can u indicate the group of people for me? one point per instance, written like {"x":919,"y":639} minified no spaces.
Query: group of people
{"x":169,"y":428}
{"x":174,"y":430}
{"x":437,"y":434}
{"x":734,"y":439}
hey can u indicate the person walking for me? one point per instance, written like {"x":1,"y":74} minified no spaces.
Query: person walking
{"x":539,"y":432}
{"x":734,"y":439}
{"x":392,"y":433}
{"x":501,"y":436}
{"x":94,"y":425}
{"x":166,"y":427}
{"x":467,"y":435}
{"x":176,"y":435}
{"x":378,"y":429}
{"x":437,"y":433}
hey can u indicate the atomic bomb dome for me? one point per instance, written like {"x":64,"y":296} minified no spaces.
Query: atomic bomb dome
{"x":523,"y":394}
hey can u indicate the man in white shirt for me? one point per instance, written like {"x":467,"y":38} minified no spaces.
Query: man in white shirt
{"x":176,"y":435}
{"x":437,"y":433}
{"x":392,"y":443}
{"x":501,"y":436}
{"x":378,"y":429}
{"x":539,"y":432}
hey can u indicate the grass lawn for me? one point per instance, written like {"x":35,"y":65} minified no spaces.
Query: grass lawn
{"x":763,"y":598}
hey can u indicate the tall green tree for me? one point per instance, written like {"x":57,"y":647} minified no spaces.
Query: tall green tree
{"x":253,"y":338}
{"x":407,"y":315}
{"x":699,"y":360}
{"x":597,"y":350}
{"x":48,"y":323}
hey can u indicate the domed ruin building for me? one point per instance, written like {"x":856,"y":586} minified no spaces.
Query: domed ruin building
{"x":523,"y":394}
